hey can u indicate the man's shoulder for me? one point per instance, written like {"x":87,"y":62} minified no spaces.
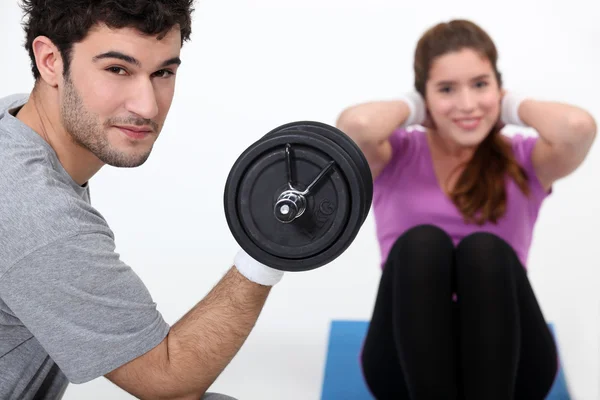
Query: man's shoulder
{"x":38,"y":207}
{"x":36,"y":216}
{"x":12,"y":101}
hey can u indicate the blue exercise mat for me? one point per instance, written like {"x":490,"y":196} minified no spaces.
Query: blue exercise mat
{"x":343,"y":379}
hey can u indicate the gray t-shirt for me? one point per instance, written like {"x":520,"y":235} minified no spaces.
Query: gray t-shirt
{"x":70,"y":309}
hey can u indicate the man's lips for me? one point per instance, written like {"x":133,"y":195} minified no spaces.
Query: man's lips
{"x":135,"y":132}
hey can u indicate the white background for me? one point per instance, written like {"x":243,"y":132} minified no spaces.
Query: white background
{"x":252,"y":66}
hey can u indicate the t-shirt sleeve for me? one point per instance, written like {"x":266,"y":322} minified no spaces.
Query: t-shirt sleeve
{"x":523,"y":148}
{"x":87,"y":308}
{"x":402,"y":149}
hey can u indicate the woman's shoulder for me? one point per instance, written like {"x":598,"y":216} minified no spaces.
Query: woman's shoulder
{"x":407,"y":139}
{"x":406,"y":144}
{"x":522,"y":146}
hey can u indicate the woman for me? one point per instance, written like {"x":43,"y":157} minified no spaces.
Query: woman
{"x":455,"y":207}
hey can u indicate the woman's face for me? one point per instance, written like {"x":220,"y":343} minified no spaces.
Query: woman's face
{"x":463,"y":97}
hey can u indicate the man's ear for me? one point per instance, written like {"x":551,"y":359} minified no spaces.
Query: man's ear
{"x":48,"y":60}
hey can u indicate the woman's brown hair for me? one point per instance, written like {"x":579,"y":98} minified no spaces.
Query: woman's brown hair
{"x":480,"y":192}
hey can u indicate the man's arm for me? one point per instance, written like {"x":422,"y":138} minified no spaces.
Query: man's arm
{"x":93,"y":315}
{"x":199,"y":346}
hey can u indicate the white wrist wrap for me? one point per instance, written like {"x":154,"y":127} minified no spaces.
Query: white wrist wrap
{"x":418,"y":110}
{"x":255,"y":271}
{"x":510,"y":109}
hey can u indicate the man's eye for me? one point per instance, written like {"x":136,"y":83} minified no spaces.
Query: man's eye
{"x":117,"y":70}
{"x":164,"y":73}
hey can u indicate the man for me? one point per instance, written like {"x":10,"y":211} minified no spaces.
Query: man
{"x":70,"y":309}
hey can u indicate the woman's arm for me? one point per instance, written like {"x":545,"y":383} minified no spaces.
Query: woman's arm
{"x":371,"y":124}
{"x":567,"y":133}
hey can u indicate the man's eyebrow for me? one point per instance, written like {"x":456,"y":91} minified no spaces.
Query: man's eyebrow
{"x":118,"y":56}
{"x":170,"y":61}
{"x":132,"y":60}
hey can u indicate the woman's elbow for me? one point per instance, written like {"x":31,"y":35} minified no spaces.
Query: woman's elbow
{"x":355,"y":125}
{"x":582,"y":130}
{"x":584,"y":124}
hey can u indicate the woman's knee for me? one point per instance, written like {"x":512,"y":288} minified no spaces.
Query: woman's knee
{"x":421,"y":239}
{"x":484,"y":244}
{"x":486,"y":240}
{"x":485,"y":253}
{"x":421,"y":252}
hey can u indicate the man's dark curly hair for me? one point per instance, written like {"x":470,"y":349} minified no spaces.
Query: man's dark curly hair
{"x":66,"y":22}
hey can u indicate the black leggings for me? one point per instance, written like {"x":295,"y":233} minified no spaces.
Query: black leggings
{"x":492,"y":343}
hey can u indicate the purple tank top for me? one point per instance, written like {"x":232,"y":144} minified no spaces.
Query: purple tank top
{"x":407,"y":194}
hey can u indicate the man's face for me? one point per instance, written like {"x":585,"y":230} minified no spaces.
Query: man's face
{"x":118,"y":91}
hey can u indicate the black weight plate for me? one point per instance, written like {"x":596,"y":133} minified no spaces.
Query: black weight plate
{"x":343,"y":140}
{"x":303,"y":263}
{"x":354,"y":151}
{"x":266,"y":178}
{"x":335,"y":141}
{"x":358,"y":162}
{"x":255,"y":181}
{"x":359,"y":158}
{"x":336,"y":134}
